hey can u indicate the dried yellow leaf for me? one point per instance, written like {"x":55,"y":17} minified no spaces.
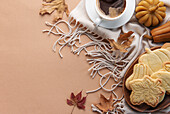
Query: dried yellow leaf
{"x":123,"y":42}
{"x":146,"y":90}
{"x":51,"y":5}
{"x":105,"y":105}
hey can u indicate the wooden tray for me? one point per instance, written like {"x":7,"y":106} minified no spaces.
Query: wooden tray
{"x":143,"y":107}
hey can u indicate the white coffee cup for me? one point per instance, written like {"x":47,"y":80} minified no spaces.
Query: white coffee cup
{"x":102,"y":16}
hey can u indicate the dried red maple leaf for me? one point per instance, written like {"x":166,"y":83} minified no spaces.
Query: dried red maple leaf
{"x":77,"y":100}
{"x":124,"y":41}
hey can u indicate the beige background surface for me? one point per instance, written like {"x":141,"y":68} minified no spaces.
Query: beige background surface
{"x":33,"y":79}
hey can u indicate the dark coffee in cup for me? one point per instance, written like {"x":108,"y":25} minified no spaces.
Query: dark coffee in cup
{"x":112,"y":8}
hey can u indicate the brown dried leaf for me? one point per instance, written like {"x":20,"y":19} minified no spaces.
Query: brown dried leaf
{"x":124,"y":41}
{"x":105,"y":105}
{"x":60,"y":12}
{"x":51,"y":5}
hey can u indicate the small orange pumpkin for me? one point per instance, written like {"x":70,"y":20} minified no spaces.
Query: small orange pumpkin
{"x":150,"y":12}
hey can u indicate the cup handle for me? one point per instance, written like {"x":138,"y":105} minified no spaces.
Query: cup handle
{"x":97,"y":22}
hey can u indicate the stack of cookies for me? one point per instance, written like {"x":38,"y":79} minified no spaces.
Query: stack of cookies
{"x":150,"y":80}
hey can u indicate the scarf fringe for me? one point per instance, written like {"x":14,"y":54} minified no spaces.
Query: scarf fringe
{"x":101,"y":56}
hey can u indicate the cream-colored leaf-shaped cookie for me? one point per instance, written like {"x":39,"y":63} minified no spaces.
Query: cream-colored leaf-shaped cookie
{"x":146,"y":90}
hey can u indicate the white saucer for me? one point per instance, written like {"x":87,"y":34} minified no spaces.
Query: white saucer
{"x":91,"y":11}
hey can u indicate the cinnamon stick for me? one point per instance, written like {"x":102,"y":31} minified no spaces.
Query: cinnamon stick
{"x":161,"y":31}
{"x":162,"y":38}
{"x":161,"y":27}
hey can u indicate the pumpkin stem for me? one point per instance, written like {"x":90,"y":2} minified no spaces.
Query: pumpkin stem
{"x":148,"y":37}
{"x":148,"y":50}
{"x":152,"y":9}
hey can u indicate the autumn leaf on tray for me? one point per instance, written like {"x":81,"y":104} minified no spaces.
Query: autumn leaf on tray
{"x":123,"y":42}
{"x":51,"y":5}
{"x":105,"y":105}
{"x":77,"y":100}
